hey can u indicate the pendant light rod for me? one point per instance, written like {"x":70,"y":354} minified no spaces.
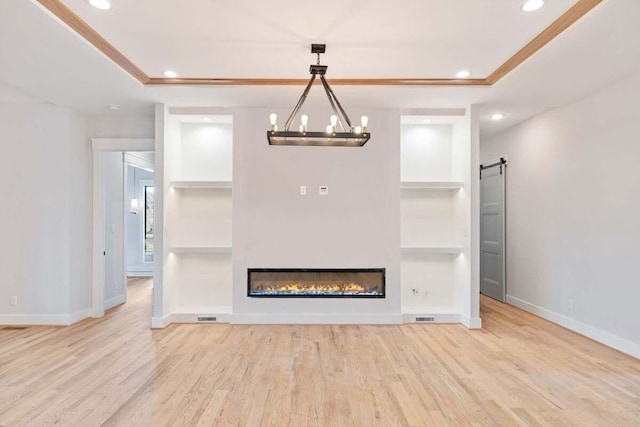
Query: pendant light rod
{"x":303,"y":98}
{"x":331,"y":95}
{"x":333,"y":105}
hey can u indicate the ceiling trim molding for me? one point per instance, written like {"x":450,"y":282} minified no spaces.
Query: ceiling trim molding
{"x":298,"y":82}
{"x":84,"y":30}
{"x":556,"y":28}
{"x":566,"y":20}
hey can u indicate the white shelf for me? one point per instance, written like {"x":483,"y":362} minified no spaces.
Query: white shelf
{"x":201,"y":184}
{"x":201,"y":249}
{"x":431,"y":185}
{"x":432,"y":249}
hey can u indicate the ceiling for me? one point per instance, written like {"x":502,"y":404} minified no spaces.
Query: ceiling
{"x":365,"y":39}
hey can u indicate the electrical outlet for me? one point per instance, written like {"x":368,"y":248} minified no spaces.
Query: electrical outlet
{"x":323,"y":190}
{"x":303,"y":190}
{"x":570,"y":304}
{"x":14,"y":300}
{"x":415,"y":292}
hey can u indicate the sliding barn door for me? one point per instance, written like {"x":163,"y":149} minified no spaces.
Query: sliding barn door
{"x":492,"y":231}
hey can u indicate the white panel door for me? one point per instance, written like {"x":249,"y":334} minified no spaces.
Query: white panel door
{"x":492,"y":232}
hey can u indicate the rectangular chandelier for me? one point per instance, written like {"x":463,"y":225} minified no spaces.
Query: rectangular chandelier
{"x":349,"y":136}
{"x":336,"y":139}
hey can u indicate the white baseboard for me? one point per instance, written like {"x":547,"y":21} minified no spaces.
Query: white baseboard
{"x":79,"y":315}
{"x":471,"y":322}
{"x":140,"y":274}
{"x":44,"y":319}
{"x":117,"y":300}
{"x":317,"y":319}
{"x":34,"y":319}
{"x":437,"y":317}
{"x":589,"y":331}
{"x":193,"y":317}
{"x":313,"y":319}
{"x":160,"y":322}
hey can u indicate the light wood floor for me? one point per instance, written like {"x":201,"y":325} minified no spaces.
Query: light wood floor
{"x":519,"y":370}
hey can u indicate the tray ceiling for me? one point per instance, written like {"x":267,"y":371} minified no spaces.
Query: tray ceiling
{"x":227,"y":39}
{"x":46,"y":60}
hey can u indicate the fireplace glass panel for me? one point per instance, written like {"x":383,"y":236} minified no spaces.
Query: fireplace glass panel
{"x":322,"y":283}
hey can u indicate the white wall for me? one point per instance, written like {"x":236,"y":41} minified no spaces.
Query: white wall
{"x":46,"y":210}
{"x":120,"y":124}
{"x":573,"y":214}
{"x":81,"y":208}
{"x":355,"y":226}
{"x":45,"y":214}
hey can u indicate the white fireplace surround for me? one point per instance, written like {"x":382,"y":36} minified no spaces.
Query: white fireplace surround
{"x":232,"y":202}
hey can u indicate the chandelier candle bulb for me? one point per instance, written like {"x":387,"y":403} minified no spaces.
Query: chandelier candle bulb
{"x":334,"y":121}
{"x":364,"y":121}
{"x":273,"y":117}
{"x":358,"y":129}
{"x":329,"y":129}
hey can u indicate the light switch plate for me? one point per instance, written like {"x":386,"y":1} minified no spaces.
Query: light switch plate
{"x":324,"y":190}
{"x":303,"y":190}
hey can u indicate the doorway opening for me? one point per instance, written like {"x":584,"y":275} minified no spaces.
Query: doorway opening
{"x":139,"y":224}
{"x":124,"y":219}
{"x":129,"y":222}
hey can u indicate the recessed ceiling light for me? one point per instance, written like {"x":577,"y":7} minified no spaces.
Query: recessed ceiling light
{"x":463,"y":74}
{"x":206,"y":119}
{"x":497,"y":116}
{"x":100,"y":4}
{"x":426,"y":121}
{"x":113,"y":107}
{"x":531,"y":5}
{"x":170,"y":74}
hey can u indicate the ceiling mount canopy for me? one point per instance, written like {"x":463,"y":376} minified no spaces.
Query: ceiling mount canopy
{"x":349,"y":136}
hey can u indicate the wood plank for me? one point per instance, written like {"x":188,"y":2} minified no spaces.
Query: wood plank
{"x":194,"y":81}
{"x":518,"y":370}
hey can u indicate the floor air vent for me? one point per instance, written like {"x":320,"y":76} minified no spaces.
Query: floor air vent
{"x":207,"y":319}
{"x":425,"y":319}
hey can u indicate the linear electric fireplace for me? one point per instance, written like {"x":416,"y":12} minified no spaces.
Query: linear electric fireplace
{"x":316,"y":282}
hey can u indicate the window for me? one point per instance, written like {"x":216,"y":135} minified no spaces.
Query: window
{"x":148,"y":223}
